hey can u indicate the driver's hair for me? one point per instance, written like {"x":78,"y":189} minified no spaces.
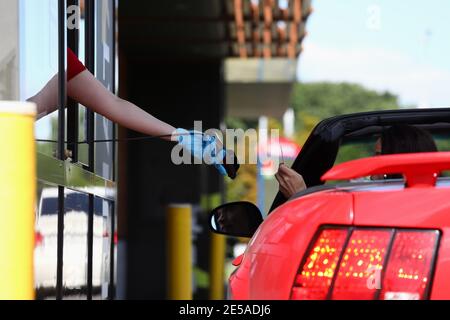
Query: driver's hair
{"x":404,"y":138}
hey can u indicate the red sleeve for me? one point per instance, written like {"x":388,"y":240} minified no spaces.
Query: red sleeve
{"x":74,"y":66}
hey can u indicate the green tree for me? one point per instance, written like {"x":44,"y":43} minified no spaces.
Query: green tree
{"x":327,"y":99}
{"x":316,"y":101}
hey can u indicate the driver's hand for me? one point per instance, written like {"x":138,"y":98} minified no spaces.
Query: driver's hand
{"x":290,"y":181}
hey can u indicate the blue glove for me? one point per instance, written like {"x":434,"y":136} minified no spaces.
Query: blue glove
{"x":202,"y":147}
{"x":214,"y":154}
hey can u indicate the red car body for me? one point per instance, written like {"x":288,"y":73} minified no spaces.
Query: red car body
{"x":275,"y":264}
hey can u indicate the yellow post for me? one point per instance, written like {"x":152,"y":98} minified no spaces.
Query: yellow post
{"x":217,"y":263}
{"x":179,"y":252}
{"x":17,"y":200}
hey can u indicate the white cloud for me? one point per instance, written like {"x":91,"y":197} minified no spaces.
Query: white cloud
{"x":379,"y":69}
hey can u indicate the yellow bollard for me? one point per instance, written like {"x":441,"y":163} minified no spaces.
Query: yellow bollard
{"x":217,"y":263}
{"x":179,"y":252}
{"x":17,"y":200}
{"x":216,"y":252}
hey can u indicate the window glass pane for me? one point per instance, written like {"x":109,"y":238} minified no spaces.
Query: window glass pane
{"x":104,"y":72}
{"x":38,"y":63}
{"x":46,"y":240}
{"x":75,"y":245}
{"x":103,"y":236}
{"x":83,"y":149}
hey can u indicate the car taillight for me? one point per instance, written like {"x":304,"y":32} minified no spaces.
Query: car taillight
{"x":314,"y":280}
{"x":408,"y":272}
{"x":363,"y":263}
{"x":363,"y":258}
{"x":38,"y":239}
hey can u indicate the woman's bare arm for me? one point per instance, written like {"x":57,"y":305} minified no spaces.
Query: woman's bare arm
{"x":46,"y":100}
{"x":88,"y":91}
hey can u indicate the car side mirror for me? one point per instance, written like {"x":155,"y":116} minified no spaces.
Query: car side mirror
{"x":237,"y":219}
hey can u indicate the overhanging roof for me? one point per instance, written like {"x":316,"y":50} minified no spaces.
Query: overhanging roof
{"x":212,"y":28}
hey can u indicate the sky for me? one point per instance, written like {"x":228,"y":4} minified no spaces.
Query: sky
{"x":402,"y":46}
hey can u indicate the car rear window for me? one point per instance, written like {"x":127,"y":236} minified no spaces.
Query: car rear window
{"x":72,"y":202}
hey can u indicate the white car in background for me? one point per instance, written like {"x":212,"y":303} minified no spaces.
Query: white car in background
{"x":75,"y":244}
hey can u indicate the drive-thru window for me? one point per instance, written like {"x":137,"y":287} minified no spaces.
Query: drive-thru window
{"x":75,"y":256}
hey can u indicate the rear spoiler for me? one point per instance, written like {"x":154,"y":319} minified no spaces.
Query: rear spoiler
{"x":419,"y":169}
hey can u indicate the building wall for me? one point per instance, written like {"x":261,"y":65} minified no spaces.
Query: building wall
{"x":9,"y":88}
{"x":178,"y":93}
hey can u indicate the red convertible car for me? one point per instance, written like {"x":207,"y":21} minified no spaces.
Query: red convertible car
{"x":349,"y":236}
